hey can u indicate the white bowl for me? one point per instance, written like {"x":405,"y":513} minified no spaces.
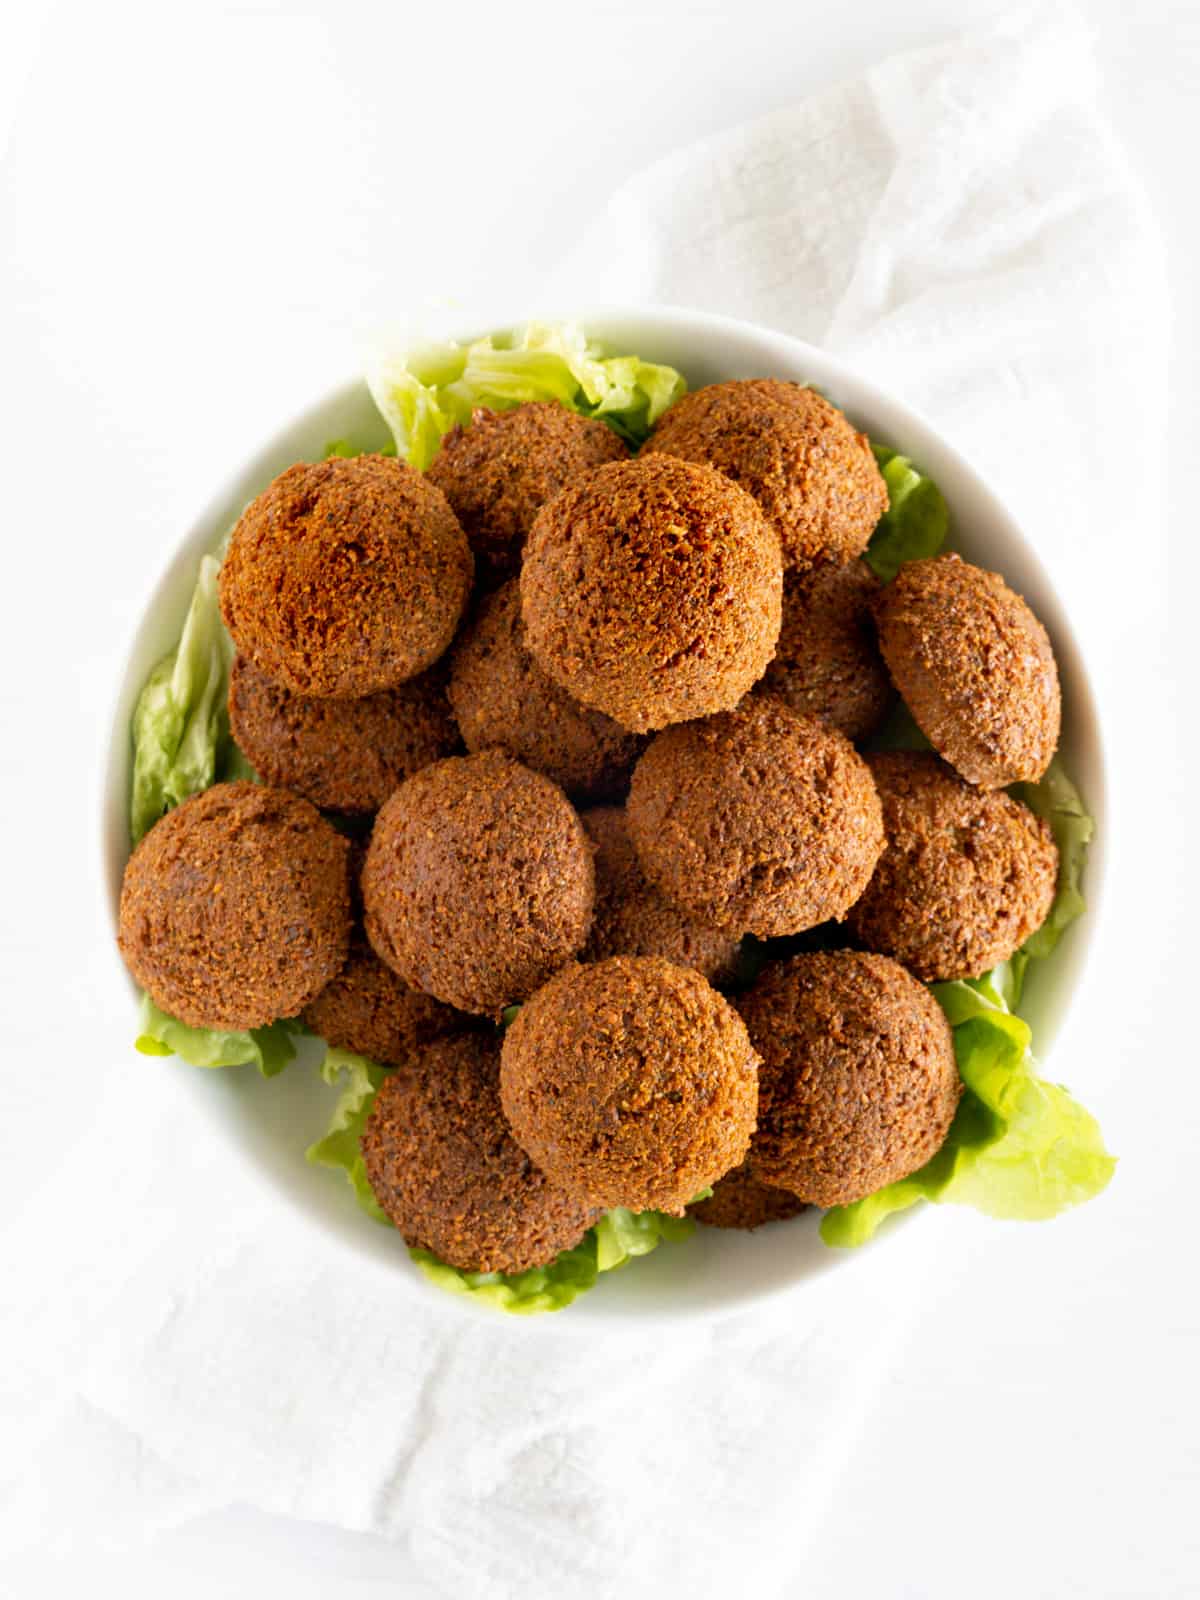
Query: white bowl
{"x":716,"y":1272}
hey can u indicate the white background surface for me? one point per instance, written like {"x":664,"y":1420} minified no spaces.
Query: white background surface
{"x":206,"y":212}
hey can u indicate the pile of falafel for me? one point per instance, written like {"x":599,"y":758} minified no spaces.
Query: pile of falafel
{"x":556,"y":727}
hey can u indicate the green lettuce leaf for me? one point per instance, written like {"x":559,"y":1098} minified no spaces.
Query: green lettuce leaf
{"x":347,"y":449}
{"x":424,"y":392}
{"x":618,"y":1237}
{"x":917,"y":519}
{"x":179,"y":724}
{"x":622,"y":1234}
{"x":1018,"y":1148}
{"x":269,"y":1049}
{"x":1058,"y":800}
{"x":340,"y":1147}
{"x":539,"y":1289}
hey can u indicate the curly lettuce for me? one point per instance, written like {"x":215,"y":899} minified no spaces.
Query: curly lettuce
{"x":1058,"y":800}
{"x":425,"y":391}
{"x":340,"y":1147}
{"x":1019,"y":1147}
{"x":619,"y":1237}
{"x":917,"y":519}
{"x":180,"y":727}
{"x":269,"y":1049}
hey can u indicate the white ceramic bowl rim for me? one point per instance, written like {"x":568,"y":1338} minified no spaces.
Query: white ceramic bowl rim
{"x":716,"y":1273}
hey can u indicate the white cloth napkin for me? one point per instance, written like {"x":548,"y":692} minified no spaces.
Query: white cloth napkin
{"x":958,"y":223}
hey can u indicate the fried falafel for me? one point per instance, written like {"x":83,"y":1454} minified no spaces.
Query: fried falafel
{"x":478,"y":883}
{"x":345,"y":577}
{"x":498,"y":473}
{"x":805,"y":464}
{"x":858,"y":1083}
{"x":650,"y":590}
{"x":633,"y":919}
{"x":827,"y":663}
{"x":367,"y":1008}
{"x":975,"y":667}
{"x":740,"y":1201}
{"x":502,"y":698}
{"x":630,"y":1083}
{"x":758,"y":820}
{"x":443,"y":1165}
{"x":966,"y":876}
{"x":235,"y":907}
{"x":343,"y":755}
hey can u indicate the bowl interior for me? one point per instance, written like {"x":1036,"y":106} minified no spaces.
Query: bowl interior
{"x":715,"y":1272}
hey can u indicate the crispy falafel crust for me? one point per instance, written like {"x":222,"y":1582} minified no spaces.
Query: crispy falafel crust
{"x":235,"y":908}
{"x":369,"y":1010}
{"x":445,"y":1168}
{"x":633,"y":919}
{"x":967,"y":874}
{"x":651,"y":591}
{"x":805,"y":464}
{"x":502,"y":698}
{"x":478,"y":883}
{"x":858,"y":1084}
{"x":740,"y":1201}
{"x":498,"y":473}
{"x":827,"y":663}
{"x":346,"y":577}
{"x":343,"y":755}
{"x":630,"y":1082}
{"x":975,"y":668}
{"x":758,"y":821}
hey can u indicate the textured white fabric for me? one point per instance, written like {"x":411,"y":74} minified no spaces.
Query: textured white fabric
{"x":959,"y":224}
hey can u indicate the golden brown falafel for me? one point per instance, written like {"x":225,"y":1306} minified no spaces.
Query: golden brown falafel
{"x":502,"y":698}
{"x":633,"y":919}
{"x":498,"y":473}
{"x":827,"y":663}
{"x":858,"y":1084}
{"x":758,"y":821}
{"x":740,"y":1201}
{"x":478,"y":883}
{"x":444,"y":1167}
{"x":367,"y":1008}
{"x":975,"y":668}
{"x":630,"y":1083}
{"x":808,"y":468}
{"x":343,"y":755}
{"x":235,"y":907}
{"x":651,"y":591}
{"x":967,"y":874}
{"x":345,"y":577}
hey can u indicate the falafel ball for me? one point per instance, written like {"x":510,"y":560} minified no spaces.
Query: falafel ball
{"x":740,"y":1201}
{"x":345,"y":577}
{"x":828,"y":664}
{"x":478,"y":883}
{"x":502,"y":698}
{"x":633,"y":919}
{"x":758,"y":820}
{"x":967,"y":874}
{"x":975,"y":668}
{"x":498,"y":473}
{"x":444,"y":1167}
{"x":235,"y":908}
{"x":369,"y":1010}
{"x":343,"y":755}
{"x":630,"y":1083}
{"x":858,"y":1084}
{"x":651,"y":591}
{"x":810,"y":470}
